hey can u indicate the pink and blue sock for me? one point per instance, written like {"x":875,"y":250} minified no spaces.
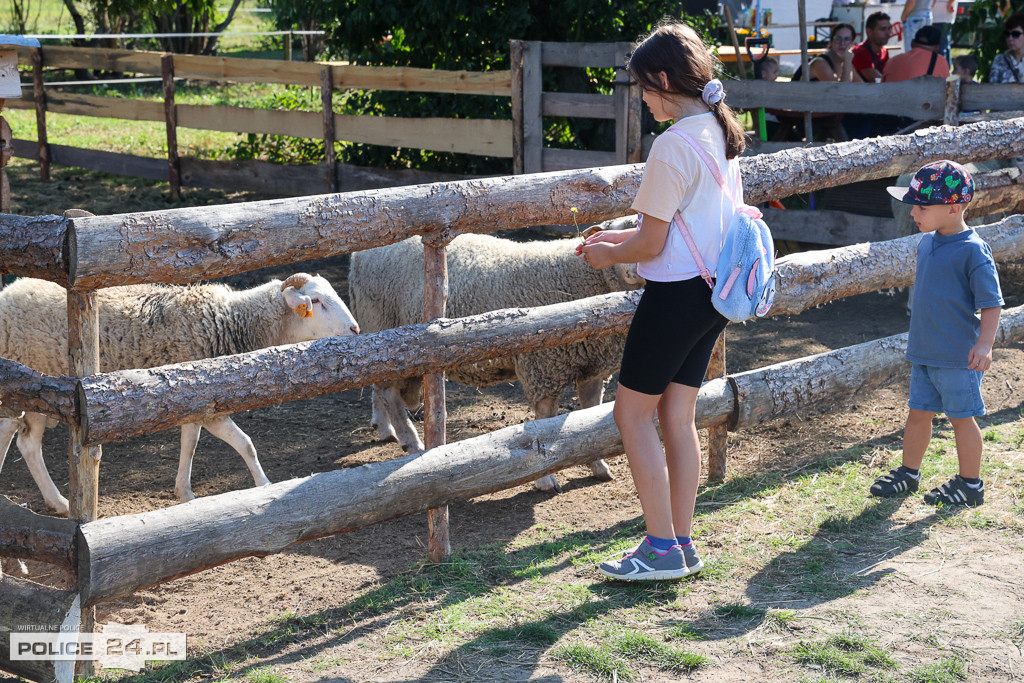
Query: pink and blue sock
{"x":684,"y":540}
{"x":662,"y":545}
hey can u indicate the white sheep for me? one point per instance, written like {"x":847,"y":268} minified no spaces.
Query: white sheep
{"x":144,"y":326}
{"x":486,"y":273}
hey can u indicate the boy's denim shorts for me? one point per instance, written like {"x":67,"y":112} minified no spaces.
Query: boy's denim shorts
{"x":953,"y":391}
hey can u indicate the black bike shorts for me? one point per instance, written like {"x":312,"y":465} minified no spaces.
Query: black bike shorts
{"x":671,"y":337}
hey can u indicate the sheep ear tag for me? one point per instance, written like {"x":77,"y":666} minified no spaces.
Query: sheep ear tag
{"x":303,"y":311}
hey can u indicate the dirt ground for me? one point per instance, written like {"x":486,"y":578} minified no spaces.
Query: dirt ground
{"x":231,"y":603}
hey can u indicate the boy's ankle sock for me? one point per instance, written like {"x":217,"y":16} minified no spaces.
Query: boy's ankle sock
{"x":661,"y":544}
{"x":684,"y":540}
{"x":915,"y":474}
{"x":972,"y":483}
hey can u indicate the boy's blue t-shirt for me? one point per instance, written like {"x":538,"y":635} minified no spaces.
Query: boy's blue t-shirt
{"x":956,"y":276}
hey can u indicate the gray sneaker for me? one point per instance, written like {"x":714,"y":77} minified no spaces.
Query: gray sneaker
{"x":693,"y":563}
{"x":646,"y":564}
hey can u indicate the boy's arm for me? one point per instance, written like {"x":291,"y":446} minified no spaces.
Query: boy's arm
{"x":980,"y":357}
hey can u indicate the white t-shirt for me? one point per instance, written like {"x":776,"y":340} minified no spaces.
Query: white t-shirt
{"x":941,"y":13}
{"x":675,"y":179}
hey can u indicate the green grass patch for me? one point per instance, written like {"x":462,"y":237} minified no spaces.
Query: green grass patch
{"x":846,"y":654}
{"x":640,"y":647}
{"x":949,"y":670}
{"x":596,"y":661}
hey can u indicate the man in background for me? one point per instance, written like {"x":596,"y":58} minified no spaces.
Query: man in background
{"x":922,"y":60}
{"x":871,"y":56}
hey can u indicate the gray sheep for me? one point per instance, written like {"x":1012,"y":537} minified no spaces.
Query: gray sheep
{"x":486,"y":273}
{"x":144,"y":326}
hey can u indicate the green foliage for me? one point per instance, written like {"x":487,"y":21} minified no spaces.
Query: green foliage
{"x":985,"y":29}
{"x":471,"y":36}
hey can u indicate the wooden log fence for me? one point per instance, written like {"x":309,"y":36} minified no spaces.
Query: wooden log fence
{"x":96,"y":405}
{"x":183,"y":245}
{"x":123,"y":554}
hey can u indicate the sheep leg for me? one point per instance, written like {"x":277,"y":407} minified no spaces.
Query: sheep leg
{"x":183,"y":482}
{"x":381,"y":421}
{"x":591,"y":393}
{"x":545,"y":408}
{"x":8,"y":428}
{"x":408,"y":437}
{"x":30,"y":443}
{"x":225,"y":429}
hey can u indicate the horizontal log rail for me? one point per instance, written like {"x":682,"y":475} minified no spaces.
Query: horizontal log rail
{"x":24,"y":389}
{"x":921,"y":98}
{"x":26,"y":535}
{"x":345,"y":76}
{"x":184,"y":245}
{"x":120,"y":555}
{"x":23,"y":604}
{"x":127,"y":403}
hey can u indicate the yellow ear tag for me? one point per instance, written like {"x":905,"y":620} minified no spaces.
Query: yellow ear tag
{"x":303,"y":311}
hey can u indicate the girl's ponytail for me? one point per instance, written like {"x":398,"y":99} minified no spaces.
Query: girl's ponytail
{"x":735,"y":138}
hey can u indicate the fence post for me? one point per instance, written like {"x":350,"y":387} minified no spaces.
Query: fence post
{"x":951,"y":117}
{"x":171,"y":116}
{"x":516,"y":56}
{"x":39,"y":95}
{"x":288,"y":46}
{"x":327,"y":96}
{"x":435,"y":302}
{"x":718,"y":435}
{"x":533,"y":118}
{"x":83,"y":461}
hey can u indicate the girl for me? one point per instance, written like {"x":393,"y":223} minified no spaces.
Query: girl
{"x":675,"y":326}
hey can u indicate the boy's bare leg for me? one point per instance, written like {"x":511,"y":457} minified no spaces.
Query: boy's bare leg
{"x":968,"y":446}
{"x":634,"y":416}
{"x":917,"y":434}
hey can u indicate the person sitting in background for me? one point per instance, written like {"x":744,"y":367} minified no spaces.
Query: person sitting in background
{"x":922,"y":60}
{"x":1007,"y":67}
{"x":870,"y":57}
{"x":965,"y":66}
{"x":769,"y":69}
{"x":836,"y":63}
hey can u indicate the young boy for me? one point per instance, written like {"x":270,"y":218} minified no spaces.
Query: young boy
{"x":949,"y":347}
{"x":965,"y":66}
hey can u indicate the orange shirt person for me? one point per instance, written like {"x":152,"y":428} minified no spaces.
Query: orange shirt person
{"x":922,"y":60}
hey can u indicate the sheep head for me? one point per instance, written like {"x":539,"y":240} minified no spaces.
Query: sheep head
{"x":319,"y":310}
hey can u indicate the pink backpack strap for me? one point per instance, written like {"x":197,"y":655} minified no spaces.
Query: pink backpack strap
{"x":677,"y":219}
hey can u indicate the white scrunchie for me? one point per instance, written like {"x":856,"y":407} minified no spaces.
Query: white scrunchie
{"x":713,"y":93}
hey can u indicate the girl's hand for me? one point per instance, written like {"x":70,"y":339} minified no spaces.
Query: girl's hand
{"x":598,"y":254}
{"x":606,"y":236}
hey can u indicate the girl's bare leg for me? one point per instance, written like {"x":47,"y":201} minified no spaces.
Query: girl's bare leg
{"x":676,"y":414}
{"x":634,"y":416}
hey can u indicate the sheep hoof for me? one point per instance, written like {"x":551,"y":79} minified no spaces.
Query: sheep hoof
{"x":601,"y":471}
{"x":548,"y":484}
{"x":385,"y":435}
{"x":413,"y":448}
{"x":184,"y":496}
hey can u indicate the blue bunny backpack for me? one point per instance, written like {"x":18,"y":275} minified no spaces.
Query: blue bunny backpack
{"x":745,"y":283}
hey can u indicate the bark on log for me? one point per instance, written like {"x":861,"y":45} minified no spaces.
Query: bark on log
{"x":34,"y":247}
{"x":25,"y":603}
{"x":812,"y":278}
{"x":132,"y":402}
{"x":29,"y":536}
{"x":120,"y":555}
{"x":24,"y":389}
{"x":182,"y":245}
{"x":128,"y":403}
